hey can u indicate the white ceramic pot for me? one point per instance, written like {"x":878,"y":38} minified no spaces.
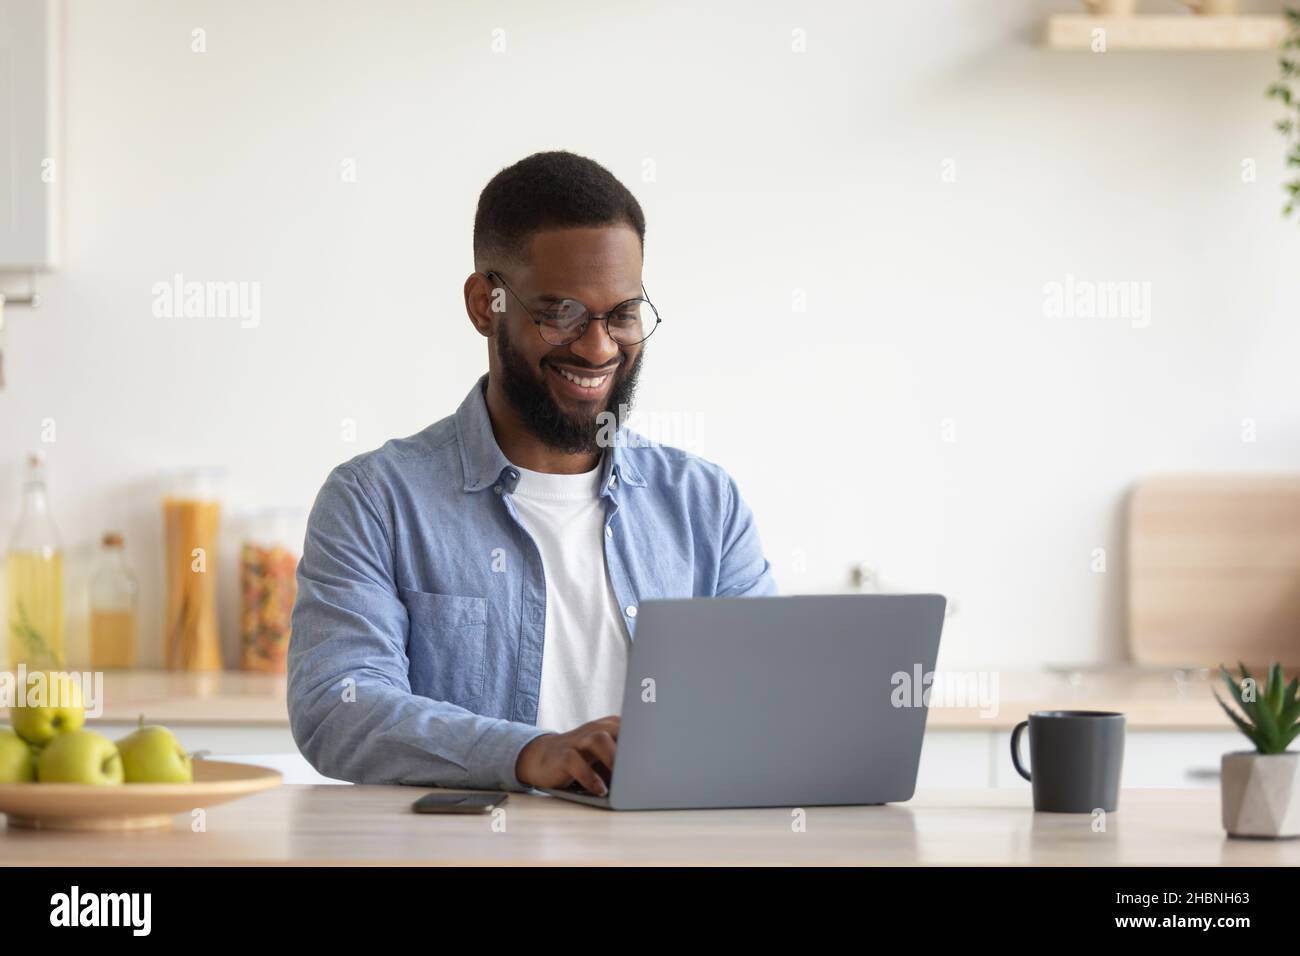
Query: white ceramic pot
{"x":1260,"y":794}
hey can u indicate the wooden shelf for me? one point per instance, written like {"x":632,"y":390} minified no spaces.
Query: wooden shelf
{"x":1186,"y":33}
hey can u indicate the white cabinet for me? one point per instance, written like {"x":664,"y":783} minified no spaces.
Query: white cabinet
{"x":1178,"y":759}
{"x":29,"y":126}
{"x":217,"y":738}
{"x":955,"y":759}
{"x":261,"y":746}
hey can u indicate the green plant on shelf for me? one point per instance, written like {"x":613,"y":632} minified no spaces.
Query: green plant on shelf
{"x":1285,"y":93}
{"x":1271,"y":713}
{"x":36,"y":649}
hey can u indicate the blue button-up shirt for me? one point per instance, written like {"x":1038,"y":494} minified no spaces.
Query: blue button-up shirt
{"x":418,"y":633}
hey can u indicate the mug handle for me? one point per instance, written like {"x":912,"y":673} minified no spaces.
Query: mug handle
{"x":1015,"y":749}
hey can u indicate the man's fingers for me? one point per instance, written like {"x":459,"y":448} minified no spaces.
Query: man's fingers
{"x":599,"y":745}
{"x":576,"y":765}
{"x":608,"y":724}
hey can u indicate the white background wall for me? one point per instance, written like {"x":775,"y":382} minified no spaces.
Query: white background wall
{"x":776,"y":172}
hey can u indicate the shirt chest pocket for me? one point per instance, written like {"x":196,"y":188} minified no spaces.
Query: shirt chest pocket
{"x":446,"y":645}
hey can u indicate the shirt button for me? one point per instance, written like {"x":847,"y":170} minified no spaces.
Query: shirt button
{"x":631,"y":610}
{"x":613,"y":480}
{"x":497,"y":489}
{"x":609,"y":532}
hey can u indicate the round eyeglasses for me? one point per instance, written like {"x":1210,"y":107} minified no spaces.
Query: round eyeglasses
{"x":562,"y":321}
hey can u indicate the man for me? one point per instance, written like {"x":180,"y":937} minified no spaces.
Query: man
{"x":466,"y":595}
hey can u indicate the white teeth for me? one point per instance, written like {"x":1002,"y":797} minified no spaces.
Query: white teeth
{"x":584,"y":382}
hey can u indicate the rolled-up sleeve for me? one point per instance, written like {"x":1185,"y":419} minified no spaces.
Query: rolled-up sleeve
{"x":743,"y":570}
{"x":351,"y":708}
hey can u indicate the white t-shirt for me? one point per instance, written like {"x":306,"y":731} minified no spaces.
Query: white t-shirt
{"x":584,"y":657}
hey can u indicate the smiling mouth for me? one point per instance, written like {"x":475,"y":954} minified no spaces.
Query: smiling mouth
{"x":582,"y":383}
{"x":594,"y":381}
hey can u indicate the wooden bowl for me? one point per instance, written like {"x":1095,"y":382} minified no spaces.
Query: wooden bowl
{"x":130,"y":806}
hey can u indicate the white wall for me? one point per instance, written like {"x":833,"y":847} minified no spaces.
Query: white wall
{"x":776,"y":172}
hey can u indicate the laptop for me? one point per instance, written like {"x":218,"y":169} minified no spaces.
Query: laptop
{"x":773,"y":702}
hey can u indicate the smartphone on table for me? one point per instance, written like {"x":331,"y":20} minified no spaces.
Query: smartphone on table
{"x":459,"y":802}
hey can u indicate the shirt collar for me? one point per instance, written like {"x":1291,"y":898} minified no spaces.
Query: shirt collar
{"x":486,"y":466}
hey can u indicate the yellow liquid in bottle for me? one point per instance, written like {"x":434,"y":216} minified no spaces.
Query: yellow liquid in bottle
{"x":34,"y":606}
{"x":112,"y":639}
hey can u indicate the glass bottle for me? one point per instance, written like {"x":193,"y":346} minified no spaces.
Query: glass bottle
{"x":112,"y":609}
{"x":34,"y":579}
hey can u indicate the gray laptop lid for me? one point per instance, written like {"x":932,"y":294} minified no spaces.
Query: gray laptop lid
{"x":786,"y":701}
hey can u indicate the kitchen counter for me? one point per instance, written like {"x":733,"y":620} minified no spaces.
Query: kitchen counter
{"x":177,"y":698}
{"x":349,"y":826}
{"x":1156,"y":699}
{"x":1152,"y":700}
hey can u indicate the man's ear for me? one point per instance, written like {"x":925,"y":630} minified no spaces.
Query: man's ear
{"x":480,"y":299}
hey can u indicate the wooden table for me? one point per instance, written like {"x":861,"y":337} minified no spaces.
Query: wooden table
{"x":348,"y":826}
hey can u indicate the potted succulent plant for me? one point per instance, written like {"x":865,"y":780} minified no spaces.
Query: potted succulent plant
{"x":1260,"y":796}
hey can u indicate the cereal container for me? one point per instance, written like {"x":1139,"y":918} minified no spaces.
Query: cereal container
{"x":268,"y":562}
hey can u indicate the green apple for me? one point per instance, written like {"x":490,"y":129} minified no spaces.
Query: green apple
{"x":80,"y":756}
{"x":152,"y":755}
{"x":17,"y":762}
{"x":40,"y":725}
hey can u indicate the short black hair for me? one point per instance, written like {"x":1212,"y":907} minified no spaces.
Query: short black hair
{"x":553,"y":190}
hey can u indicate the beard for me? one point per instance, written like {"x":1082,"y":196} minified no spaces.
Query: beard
{"x":531,"y":398}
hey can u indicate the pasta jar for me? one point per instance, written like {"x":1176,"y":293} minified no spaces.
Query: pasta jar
{"x":268,"y":586}
{"x":191,"y":526}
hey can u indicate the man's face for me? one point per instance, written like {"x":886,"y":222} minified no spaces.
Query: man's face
{"x":600,"y":267}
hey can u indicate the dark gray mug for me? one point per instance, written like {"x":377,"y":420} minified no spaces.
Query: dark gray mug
{"x":1076,"y":757}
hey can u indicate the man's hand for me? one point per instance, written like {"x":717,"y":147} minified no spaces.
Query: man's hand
{"x":585,"y":754}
